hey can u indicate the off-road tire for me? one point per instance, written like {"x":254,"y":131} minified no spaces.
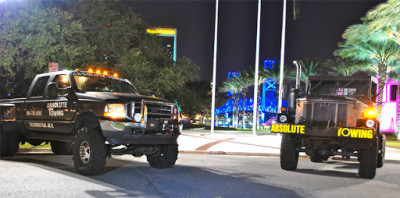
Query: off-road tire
{"x":89,"y":151}
{"x":381,"y":154}
{"x":289,"y":154}
{"x":368,"y":162}
{"x":9,"y":144}
{"x":166,"y":158}
{"x":61,"y":148}
{"x":316,"y":158}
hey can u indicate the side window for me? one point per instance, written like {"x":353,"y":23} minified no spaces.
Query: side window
{"x":62,"y":81}
{"x":393,"y":92}
{"x":38,"y":89}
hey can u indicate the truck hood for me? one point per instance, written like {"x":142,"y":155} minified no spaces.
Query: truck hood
{"x":117,"y":97}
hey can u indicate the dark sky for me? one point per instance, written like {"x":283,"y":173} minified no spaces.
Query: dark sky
{"x":315,"y":33}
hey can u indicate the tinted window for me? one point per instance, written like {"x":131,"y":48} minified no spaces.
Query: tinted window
{"x":62,"y":81}
{"x":38,"y":89}
{"x":393,"y":92}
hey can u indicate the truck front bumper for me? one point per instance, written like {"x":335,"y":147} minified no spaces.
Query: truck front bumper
{"x":128,"y":133}
{"x":337,"y":132}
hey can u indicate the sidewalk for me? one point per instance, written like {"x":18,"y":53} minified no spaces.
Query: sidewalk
{"x":242,"y":143}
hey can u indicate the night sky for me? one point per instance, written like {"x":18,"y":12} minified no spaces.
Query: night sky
{"x":315,"y":33}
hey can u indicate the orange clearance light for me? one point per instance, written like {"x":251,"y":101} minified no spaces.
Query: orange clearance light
{"x":283,"y":109}
{"x":90,"y":70}
{"x":115,"y":75}
{"x":77,"y":70}
{"x":98,"y":71}
{"x":105,"y":73}
{"x":370,"y":113}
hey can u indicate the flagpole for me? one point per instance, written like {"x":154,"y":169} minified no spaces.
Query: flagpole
{"x":214,"y":84}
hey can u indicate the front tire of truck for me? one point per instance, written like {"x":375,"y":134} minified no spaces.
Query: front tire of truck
{"x":368,"y":162}
{"x":61,"y":148}
{"x":164,"y":159}
{"x":89,"y":151}
{"x":289,"y":155}
{"x":382,"y":150}
{"x":9,"y":144}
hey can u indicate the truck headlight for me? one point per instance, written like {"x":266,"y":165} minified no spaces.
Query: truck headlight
{"x":282,"y":118}
{"x":115,"y":111}
{"x":370,"y":123}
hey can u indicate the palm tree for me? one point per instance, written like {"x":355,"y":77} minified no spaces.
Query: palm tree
{"x":309,"y":67}
{"x":232,"y":85}
{"x":246,"y":81}
{"x":386,"y":16}
{"x":372,"y":49}
{"x":343,"y":67}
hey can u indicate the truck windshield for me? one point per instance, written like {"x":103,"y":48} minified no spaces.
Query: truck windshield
{"x":101,"y":83}
{"x":354,"y":88}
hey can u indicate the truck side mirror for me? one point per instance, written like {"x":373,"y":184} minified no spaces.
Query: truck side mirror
{"x":52,"y":90}
{"x":71,"y":95}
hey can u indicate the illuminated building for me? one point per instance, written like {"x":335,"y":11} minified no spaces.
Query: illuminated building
{"x":267,"y":101}
{"x":168,"y":40}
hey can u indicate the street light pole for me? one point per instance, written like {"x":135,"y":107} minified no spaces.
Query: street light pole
{"x":214,"y":83}
{"x":282,"y":57}
{"x":255,"y":99}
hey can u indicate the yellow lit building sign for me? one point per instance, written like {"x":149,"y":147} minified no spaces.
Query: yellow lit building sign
{"x":165,"y":31}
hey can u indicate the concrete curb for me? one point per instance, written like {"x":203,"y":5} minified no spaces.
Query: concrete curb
{"x":237,"y":153}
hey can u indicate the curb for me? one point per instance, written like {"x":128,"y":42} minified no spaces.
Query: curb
{"x":199,"y":152}
{"x":237,"y":154}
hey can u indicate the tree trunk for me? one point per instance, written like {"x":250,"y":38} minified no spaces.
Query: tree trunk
{"x":244,"y":112}
{"x":382,"y":69}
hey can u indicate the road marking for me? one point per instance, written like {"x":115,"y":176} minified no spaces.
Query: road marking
{"x":209,"y":145}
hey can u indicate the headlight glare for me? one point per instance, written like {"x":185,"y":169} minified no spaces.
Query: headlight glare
{"x":115,"y":111}
{"x":282,"y":118}
{"x":370,"y":123}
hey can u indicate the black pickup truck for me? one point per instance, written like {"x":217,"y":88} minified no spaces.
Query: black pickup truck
{"x":91,"y":116}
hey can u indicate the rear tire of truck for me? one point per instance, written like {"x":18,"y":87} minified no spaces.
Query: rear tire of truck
{"x":166,"y":158}
{"x":368,"y":162}
{"x":289,"y":155}
{"x":316,"y":158}
{"x":381,"y":154}
{"x":9,"y":144}
{"x":89,"y":151}
{"x":61,"y":148}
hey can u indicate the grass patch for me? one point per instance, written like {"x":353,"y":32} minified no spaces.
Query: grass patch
{"x":392,"y":143}
{"x":27,"y":145}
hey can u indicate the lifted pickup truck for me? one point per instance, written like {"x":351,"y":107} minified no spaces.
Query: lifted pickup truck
{"x":91,"y":116}
{"x":337,"y":116}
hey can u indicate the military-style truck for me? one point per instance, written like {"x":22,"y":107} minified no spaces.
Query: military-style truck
{"x":335,"y":116}
{"x":91,"y":115}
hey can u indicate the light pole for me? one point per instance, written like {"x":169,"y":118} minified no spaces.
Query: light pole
{"x":255,"y":104}
{"x":214,"y":83}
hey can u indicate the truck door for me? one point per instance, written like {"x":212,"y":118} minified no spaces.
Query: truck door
{"x":60,"y":112}
{"x":34,"y":106}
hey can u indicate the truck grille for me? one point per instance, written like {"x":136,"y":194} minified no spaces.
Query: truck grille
{"x":335,"y":113}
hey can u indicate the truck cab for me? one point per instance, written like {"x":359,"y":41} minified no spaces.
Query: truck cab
{"x":336,"y":116}
{"x":91,"y":115}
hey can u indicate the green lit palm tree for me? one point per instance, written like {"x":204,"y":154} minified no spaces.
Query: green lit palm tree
{"x":344,"y":67}
{"x":371,"y":48}
{"x":309,"y":67}
{"x":386,"y":17}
